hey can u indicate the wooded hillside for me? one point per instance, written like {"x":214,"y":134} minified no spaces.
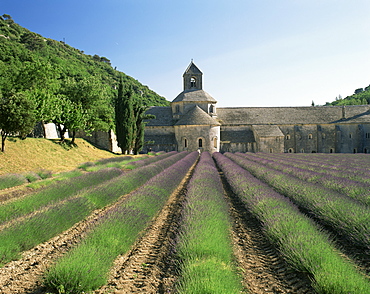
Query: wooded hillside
{"x":47,"y":80}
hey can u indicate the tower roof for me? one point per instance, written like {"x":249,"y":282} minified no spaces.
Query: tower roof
{"x":192,"y":69}
{"x":197,"y":116}
{"x":194,"y":96}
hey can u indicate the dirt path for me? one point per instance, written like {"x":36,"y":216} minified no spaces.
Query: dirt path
{"x":263,"y":269}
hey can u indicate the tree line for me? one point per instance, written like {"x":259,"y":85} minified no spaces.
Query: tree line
{"x":43,"y":80}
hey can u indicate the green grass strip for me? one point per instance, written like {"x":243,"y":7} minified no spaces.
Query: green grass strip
{"x":204,"y":246}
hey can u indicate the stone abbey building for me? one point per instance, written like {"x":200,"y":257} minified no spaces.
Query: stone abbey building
{"x":193,"y":122}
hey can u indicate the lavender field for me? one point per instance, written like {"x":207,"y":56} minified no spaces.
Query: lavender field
{"x":189,"y":223}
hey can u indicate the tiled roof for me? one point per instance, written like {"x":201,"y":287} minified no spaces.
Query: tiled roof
{"x":194,"y":96}
{"x":292,"y":115}
{"x":268,"y":130}
{"x":163,"y":116}
{"x":192,"y":68}
{"x":196,"y":116}
{"x":267,"y":115}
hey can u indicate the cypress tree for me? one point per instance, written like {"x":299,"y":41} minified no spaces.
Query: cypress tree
{"x":124,"y":118}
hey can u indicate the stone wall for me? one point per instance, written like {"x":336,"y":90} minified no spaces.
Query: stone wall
{"x":188,"y":137}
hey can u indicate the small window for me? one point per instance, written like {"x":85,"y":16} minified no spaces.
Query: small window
{"x":271,"y":150}
{"x":291,"y":150}
{"x":287,"y":137}
{"x":331,"y":150}
{"x":185,"y":143}
{"x":309,"y":136}
{"x":350,"y":136}
{"x":355,"y":150}
{"x":215,"y":142}
{"x":200,"y":143}
{"x":211,"y":108}
{"x":365,"y":150}
{"x":193,"y":82}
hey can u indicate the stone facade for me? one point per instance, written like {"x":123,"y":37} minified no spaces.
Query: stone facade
{"x":192,"y":122}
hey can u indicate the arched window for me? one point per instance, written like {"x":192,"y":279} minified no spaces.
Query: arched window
{"x":215,"y":142}
{"x":309,"y":136}
{"x":287,"y":137}
{"x":200,"y":143}
{"x":211,"y":108}
{"x":291,"y":150}
{"x":193,"y":82}
{"x":331,"y":150}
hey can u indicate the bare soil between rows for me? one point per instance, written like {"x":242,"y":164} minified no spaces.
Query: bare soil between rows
{"x":152,"y":266}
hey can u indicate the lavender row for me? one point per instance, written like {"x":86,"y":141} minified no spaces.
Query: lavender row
{"x":110,"y":191}
{"x":348,"y":217}
{"x":204,"y":245}
{"x":342,"y":165}
{"x":13,"y":180}
{"x":150,"y":160}
{"x":102,"y":193}
{"x":354,"y":189}
{"x":299,"y":240}
{"x":58,"y":191}
{"x":86,"y":267}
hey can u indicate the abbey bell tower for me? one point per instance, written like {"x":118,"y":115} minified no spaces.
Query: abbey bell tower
{"x":192,"y":78}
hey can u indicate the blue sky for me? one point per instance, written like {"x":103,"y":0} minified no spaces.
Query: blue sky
{"x":251,"y":52}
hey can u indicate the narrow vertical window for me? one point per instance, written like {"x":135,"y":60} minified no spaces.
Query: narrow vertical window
{"x":185,"y":143}
{"x":177,"y":108}
{"x":215,"y":142}
{"x":200,"y":143}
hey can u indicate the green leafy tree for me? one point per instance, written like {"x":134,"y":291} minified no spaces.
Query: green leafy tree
{"x":83,"y":106}
{"x":124,"y":118}
{"x":17,"y":116}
